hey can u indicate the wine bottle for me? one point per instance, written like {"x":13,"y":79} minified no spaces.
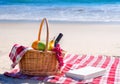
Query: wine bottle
{"x":58,"y":39}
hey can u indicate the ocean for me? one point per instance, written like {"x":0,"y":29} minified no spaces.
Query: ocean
{"x":60,"y":10}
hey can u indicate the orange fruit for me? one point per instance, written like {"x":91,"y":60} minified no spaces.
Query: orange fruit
{"x":35,"y":44}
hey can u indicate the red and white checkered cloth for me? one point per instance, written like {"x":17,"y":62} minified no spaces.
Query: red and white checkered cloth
{"x":17,"y":52}
{"x":111,"y":64}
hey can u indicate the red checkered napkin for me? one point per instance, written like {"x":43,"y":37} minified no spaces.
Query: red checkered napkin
{"x":17,"y":52}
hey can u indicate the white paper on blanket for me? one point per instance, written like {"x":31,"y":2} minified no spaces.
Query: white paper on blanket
{"x":86,"y":73}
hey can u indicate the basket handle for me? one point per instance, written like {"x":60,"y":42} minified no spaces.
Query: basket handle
{"x":44,"y":20}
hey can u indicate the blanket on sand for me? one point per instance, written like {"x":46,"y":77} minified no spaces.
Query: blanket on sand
{"x":74,"y":61}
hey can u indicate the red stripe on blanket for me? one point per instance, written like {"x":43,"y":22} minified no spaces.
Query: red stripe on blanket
{"x":78,"y":60}
{"x":106,"y":62}
{"x":74,"y":62}
{"x":97,"y":61}
{"x":71,"y":60}
{"x":111,"y":76}
{"x":67,"y":56}
{"x":86,"y":62}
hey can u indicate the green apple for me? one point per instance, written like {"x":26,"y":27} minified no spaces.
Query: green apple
{"x":41,"y":46}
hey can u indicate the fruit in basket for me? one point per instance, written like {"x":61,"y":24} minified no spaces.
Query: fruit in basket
{"x":41,"y":46}
{"x":51,"y":44}
{"x":35,"y":44}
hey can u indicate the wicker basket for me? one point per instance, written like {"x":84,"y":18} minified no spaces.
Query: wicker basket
{"x":40,"y":63}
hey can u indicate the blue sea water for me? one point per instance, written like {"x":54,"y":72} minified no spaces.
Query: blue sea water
{"x":60,"y":10}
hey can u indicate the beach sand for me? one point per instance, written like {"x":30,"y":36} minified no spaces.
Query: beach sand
{"x":79,"y":38}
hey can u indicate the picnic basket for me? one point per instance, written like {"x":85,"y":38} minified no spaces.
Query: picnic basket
{"x":40,"y":63}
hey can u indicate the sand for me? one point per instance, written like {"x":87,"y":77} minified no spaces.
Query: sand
{"x":79,"y":38}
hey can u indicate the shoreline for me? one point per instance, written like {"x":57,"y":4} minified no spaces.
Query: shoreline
{"x":60,"y":21}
